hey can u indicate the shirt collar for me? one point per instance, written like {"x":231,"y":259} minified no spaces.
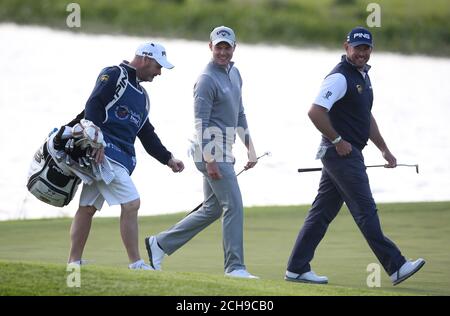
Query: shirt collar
{"x":130,"y":69}
{"x":227,"y":68}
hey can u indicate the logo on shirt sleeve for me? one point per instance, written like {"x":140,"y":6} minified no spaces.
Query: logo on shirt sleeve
{"x":327,"y":95}
{"x":104,"y":78}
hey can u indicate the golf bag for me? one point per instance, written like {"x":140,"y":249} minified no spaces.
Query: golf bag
{"x":48,"y":182}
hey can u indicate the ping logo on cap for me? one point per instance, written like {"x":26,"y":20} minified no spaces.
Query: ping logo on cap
{"x":361,"y":35}
{"x":163,"y":53}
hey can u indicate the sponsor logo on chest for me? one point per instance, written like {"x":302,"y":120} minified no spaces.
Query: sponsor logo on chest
{"x":123,"y":113}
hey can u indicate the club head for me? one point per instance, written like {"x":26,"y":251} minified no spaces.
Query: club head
{"x":417,"y":168}
{"x":268,"y":153}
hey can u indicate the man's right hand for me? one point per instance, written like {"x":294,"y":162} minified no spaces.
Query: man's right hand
{"x":213,"y":170}
{"x":343,"y":148}
{"x":390,"y":158}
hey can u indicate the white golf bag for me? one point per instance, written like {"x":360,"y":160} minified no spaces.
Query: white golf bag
{"x":48,"y":182}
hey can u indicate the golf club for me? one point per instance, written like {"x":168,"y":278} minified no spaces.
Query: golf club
{"x":371,"y":166}
{"x":267,"y":153}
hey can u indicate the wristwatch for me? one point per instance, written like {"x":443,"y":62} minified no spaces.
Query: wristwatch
{"x":336,"y":140}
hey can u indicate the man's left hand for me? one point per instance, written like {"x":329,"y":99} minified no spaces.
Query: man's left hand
{"x":175,"y":164}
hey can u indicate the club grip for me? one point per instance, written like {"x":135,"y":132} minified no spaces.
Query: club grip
{"x":309,"y":169}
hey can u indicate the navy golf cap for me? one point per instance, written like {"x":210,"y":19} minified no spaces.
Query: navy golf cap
{"x":359,"y":36}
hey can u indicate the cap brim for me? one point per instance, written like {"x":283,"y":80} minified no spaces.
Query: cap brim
{"x":354,"y":44}
{"x":220,"y":40}
{"x":165,"y":63}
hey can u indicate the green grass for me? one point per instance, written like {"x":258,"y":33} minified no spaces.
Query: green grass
{"x":33,"y":253}
{"x":19,"y":278}
{"x":409,"y":26}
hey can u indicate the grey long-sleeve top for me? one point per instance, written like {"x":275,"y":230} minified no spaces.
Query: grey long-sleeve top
{"x":219,"y":113}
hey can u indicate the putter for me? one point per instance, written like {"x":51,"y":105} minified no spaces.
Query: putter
{"x":267,"y":153}
{"x":371,"y":166}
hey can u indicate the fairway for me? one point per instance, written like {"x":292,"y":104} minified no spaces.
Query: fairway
{"x":34,"y":252}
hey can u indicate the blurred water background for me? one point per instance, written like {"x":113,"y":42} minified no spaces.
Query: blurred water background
{"x":47,"y":76}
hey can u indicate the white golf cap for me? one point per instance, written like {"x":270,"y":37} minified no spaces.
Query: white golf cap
{"x":223,"y":34}
{"x":156,"y":52}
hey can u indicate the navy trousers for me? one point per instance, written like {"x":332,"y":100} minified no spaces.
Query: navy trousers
{"x":344,"y":179}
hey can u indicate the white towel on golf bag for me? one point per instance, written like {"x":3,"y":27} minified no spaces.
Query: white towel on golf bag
{"x":96,"y":172}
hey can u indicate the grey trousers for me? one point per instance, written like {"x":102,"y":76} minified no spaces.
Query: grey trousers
{"x":220,"y":196}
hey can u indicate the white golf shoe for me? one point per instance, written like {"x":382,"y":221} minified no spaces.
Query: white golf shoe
{"x":139,"y":265}
{"x":307,"y":277}
{"x":155,"y":253}
{"x":81,"y":262}
{"x":241,"y":273}
{"x":407,"y":270}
